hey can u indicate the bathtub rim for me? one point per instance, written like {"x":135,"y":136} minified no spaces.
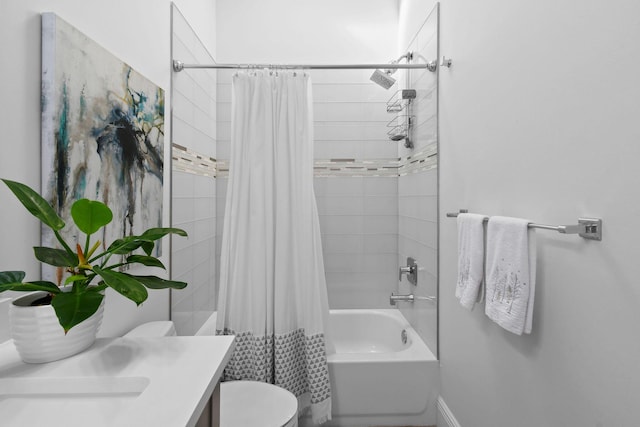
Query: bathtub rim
{"x":417,"y":351}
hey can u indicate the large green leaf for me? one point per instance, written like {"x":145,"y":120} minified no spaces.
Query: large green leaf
{"x":149,"y":261}
{"x":55,"y":257}
{"x":123,"y":284}
{"x":154,"y":282}
{"x":125,"y":245}
{"x":145,"y":241}
{"x":42,"y":285}
{"x":90,"y":215}
{"x":75,"y":307}
{"x":35,"y":204}
{"x":158,"y":233}
{"x":147,"y":247}
{"x":77,"y":278}
{"x":9,"y":277}
{"x":30,"y":286}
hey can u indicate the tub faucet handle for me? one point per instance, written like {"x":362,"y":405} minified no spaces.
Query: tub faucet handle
{"x":404,"y":270}
{"x":411,"y":270}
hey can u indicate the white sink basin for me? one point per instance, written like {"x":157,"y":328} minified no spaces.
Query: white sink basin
{"x":69,"y":388}
{"x":19,"y":396}
{"x":117,"y":382}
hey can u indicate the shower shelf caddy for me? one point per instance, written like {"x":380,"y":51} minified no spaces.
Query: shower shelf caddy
{"x":400,"y":126}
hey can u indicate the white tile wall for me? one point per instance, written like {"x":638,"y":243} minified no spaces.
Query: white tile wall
{"x":361,"y":90}
{"x":418,"y":193}
{"x":359,"y":224}
{"x":359,"y":289}
{"x":418,"y":238}
{"x":193,"y":196}
{"x":350,"y":131}
{"x":349,"y":111}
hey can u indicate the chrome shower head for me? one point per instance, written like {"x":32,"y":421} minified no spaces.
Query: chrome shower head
{"x":382,"y":79}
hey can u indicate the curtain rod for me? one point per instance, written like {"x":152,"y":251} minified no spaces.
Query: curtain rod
{"x":431,"y":66}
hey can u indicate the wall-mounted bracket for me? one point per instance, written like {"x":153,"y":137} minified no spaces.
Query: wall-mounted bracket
{"x":591,"y":228}
{"x":178,"y":66}
{"x":445,"y":62}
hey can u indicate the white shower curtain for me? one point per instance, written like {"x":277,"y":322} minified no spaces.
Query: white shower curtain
{"x":273,"y":293}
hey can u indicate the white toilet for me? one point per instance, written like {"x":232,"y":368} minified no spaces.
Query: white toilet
{"x":242,"y":403}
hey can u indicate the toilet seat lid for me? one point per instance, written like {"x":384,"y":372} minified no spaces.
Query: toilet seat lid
{"x":253,"y":403}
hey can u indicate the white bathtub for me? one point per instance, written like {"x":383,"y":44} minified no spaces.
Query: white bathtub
{"x":376,"y":379}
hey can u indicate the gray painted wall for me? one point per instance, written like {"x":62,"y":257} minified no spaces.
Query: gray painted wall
{"x":539,"y":119}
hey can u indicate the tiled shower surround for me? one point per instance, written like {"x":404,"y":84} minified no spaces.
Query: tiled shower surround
{"x":359,"y":225}
{"x":377,"y":200}
{"x":193,"y":181}
{"x":418,"y":192}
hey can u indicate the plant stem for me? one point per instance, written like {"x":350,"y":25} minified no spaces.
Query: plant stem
{"x":106,"y":260}
{"x":111,"y":267}
{"x":63,"y":243}
{"x":100,"y":255}
{"x":86,"y":245}
{"x":89,"y":279}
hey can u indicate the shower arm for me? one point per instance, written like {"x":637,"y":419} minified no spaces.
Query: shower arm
{"x":394,"y":65}
{"x":408,"y":56}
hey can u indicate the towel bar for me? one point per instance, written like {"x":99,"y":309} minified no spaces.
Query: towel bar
{"x":587,"y":228}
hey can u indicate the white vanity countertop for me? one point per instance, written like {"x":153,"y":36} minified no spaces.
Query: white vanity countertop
{"x":117,"y":382}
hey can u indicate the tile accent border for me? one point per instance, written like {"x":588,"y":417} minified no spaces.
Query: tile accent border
{"x":423,"y":160}
{"x":186,"y":160}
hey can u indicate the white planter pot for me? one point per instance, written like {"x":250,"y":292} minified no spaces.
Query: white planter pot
{"x":38,"y":336}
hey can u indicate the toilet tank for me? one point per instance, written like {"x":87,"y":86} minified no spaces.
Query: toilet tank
{"x":160,"y":328}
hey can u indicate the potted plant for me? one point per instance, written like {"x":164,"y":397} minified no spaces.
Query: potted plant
{"x":63,"y":319}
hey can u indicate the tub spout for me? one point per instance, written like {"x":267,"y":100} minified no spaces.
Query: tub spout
{"x":393,"y":299}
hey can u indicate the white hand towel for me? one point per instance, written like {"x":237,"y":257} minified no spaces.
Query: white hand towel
{"x":470,"y":258}
{"x":511,"y":273}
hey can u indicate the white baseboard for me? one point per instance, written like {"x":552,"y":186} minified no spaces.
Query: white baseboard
{"x":445,"y":414}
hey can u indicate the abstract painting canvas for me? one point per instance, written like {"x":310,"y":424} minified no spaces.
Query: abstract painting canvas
{"x":102,"y":134}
